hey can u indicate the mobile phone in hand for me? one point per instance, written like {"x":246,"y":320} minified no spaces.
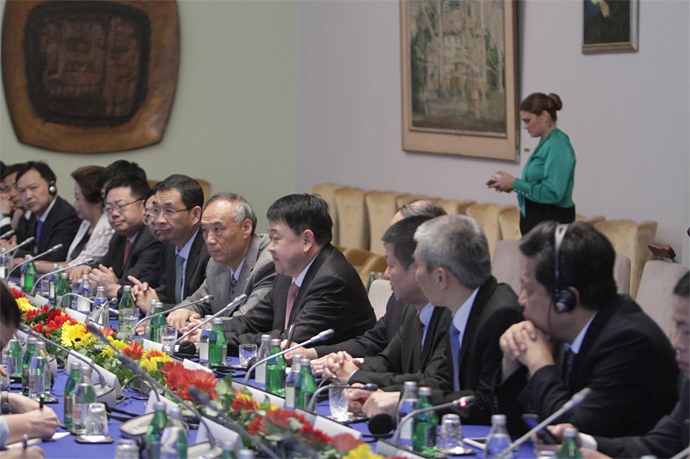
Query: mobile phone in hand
{"x":532,"y":421}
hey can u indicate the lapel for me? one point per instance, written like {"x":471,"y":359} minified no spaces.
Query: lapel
{"x":171,"y":269}
{"x":280,"y":291}
{"x":118,"y":242}
{"x":431,"y":334}
{"x":140,"y":239}
{"x":313,"y":269}
{"x":42,"y":245}
{"x":249,"y":263}
{"x":193,"y":261}
{"x":483,"y":295}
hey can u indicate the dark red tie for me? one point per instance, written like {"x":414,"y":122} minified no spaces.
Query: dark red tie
{"x":292,"y":294}
{"x":128,"y":247}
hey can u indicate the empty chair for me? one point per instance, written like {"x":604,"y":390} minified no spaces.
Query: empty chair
{"x":621,"y":273}
{"x":353,"y":225}
{"x":206,"y":187}
{"x":590,"y":220}
{"x":327,"y":192}
{"x":453,"y":207}
{"x":486,"y":215}
{"x":631,"y":239}
{"x":381,"y":207}
{"x":507,"y":263}
{"x":509,"y":221}
{"x":379,"y":293}
{"x":365,"y":262}
{"x":656,"y":291}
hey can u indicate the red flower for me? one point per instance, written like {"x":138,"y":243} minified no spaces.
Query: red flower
{"x":313,"y":436}
{"x":134,"y":351}
{"x":155,"y":353}
{"x":345,"y":442}
{"x":39,"y":327}
{"x":280,"y":418}
{"x":57,"y":322}
{"x":244,"y":404}
{"x":29,"y":316}
{"x":107,"y":331}
{"x":173,"y":372}
{"x":256,"y":426}
{"x":18,"y":294}
{"x":179,"y":380}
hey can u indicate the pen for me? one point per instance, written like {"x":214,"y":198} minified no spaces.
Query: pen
{"x":25,"y":441}
{"x":290,"y":332}
{"x":41,"y":401}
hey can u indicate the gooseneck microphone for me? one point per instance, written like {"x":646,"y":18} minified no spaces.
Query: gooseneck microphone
{"x":324,"y":335}
{"x":574,"y":401}
{"x":27,"y":241}
{"x":230,"y":307}
{"x":371,"y":387}
{"x":204,"y":299}
{"x":49,"y":251}
{"x":462,"y":403}
{"x":7,"y":234}
{"x":58,"y":271}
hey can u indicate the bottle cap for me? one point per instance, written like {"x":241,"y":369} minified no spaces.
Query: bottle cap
{"x":275,"y":342}
{"x":127,"y":288}
{"x":40,"y":345}
{"x":410,"y":385}
{"x":175,"y":412}
{"x":85,"y":370}
{"x":75,"y":366}
{"x":159,"y":406}
{"x":63,"y":275}
{"x":425,"y":391}
{"x":31,"y":341}
{"x":27,"y":257}
{"x":570,"y":432}
{"x":498,"y":419}
{"x":305,"y":362}
{"x":55,"y":267}
{"x":265,"y":337}
{"x":100,"y":288}
{"x":217,"y":321}
{"x":297,"y":358}
{"x":85,"y":277}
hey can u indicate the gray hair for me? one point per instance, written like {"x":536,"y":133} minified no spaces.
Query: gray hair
{"x":457,"y":243}
{"x":422,"y":208}
{"x":243,"y":210}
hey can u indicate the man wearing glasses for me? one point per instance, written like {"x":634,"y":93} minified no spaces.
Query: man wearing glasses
{"x":133,"y":250}
{"x":174,"y":215}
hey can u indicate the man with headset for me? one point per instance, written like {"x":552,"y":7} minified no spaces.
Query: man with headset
{"x":580,"y":333}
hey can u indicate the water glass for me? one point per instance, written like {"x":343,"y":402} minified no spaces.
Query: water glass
{"x":338,"y":402}
{"x":167,"y":336}
{"x":96,"y":419}
{"x":5,"y":379}
{"x":450,"y":441}
{"x":247,"y":353}
{"x":126,"y":449}
{"x":130,"y":318}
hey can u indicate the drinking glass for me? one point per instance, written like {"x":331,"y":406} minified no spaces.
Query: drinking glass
{"x":450,"y":441}
{"x":167,"y":335}
{"x":96,"y":419}
{"x":247,"y":353}
{"x":5,"y":379}
{"x":126,"y":449}
{"x":130,"y":318}
{"x":338,"y":402}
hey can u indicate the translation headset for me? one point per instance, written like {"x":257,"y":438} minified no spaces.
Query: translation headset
{"x":564,"y":300}
{"x":52,"y":189}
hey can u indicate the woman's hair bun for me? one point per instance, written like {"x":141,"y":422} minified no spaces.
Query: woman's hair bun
{"x":556,"y":99}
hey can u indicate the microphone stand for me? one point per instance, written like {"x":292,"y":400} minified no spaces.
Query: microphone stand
{"x":58,"y":271}
{"x":462,"y":402}
{"x":203,"y":399}
{"x":231,"y":306}
{"x":312,"y":402}
{"x":569,"y":405}
{"x":324,"y":335}
{"x":113,"y":301}
{"x":27,"y":241}
{"x":179,"y":306}
{"x":7,"y":234}
{"x":50,"y":250}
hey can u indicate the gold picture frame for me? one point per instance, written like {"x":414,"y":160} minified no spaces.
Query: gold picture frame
{"x":610,"y":26}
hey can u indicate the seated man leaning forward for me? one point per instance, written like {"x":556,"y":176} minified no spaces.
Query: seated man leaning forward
{"x":604,"y":341}
{"x":316,"y":288}
{"x":240,"y":262}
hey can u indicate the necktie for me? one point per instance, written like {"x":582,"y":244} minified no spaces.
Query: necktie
{"x":233,"y":283}
{"x":128,"y":247}
{"x":292,"y":294}
{"x":455,"y":349}
{"x":39,"y":226}
{"x":417,"y":345}
{"x":569,"y":361}
{"x":179,"y":267}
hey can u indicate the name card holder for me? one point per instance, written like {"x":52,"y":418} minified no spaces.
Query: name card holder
{"x":109,"y":377}
{"x":148,"y":344}
{"x":76,"y":315}
{"x":220,"y":433}
{"x":188,"y":364}
{"x":259,"y":395}
{"x":328,"y":426}
{"x":387,"y":449}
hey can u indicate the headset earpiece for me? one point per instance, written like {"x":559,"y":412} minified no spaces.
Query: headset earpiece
{"x":564,"y":299}
{"x":52,"y":189}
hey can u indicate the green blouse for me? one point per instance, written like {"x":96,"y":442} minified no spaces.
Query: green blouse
{"x":549,"y":174}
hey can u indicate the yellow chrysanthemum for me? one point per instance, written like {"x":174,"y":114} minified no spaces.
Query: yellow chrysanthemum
{"x":363,"y":451}
{"x":87,"y":341}
{"x":24,"y":305}
{"x":152,"y":364}
{"x":119,"y":345}
{"x":73,"y":334}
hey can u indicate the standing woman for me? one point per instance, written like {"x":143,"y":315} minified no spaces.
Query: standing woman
{"x":545,"y":191}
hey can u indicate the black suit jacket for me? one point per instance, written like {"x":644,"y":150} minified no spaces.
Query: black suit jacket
{"x":627,"y":362}
{"x":375,"y":339}
{"x":669,"y":437}
{"x":332,"y":296}
{"x":143,"y":256}
{"x":60,"y":227}
{"x":392,"y":367}
{"x":494,"y":310}
{"x":194,"y":275}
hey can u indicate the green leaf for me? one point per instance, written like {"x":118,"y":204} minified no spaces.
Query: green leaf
{"x":224,"y":386}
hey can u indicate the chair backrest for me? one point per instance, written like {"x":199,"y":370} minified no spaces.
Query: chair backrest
{"x":486,"y":215}
{"x":656,"y":291}
{"x":327,"y":192}
{"x":590,"y":220}
{"x":507,"y":263}
{"x":379,"y":293}
{"x":509,"y":221}
{"x":353,"y":225}
{"x":621,"y":273}
{"x":453,"y":207}
{"x":403,"y":199}
{"x":205,"y":186}
{"x":381,"y":207}
{"x":631,"y":239}
{"x":365,"y":262}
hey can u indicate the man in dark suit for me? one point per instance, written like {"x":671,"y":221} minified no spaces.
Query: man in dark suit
{"x":607,"y":343}
{"x":175,"y":215}
{"x":316,"y":288}
{"x":53,"y":220}
{"x":133,"y":250}
{"x":240,"y":262}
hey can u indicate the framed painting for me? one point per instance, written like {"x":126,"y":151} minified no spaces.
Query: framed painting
{"x":459,"y":77}
{"x":90,"y":76}
{"x":610,"y":26}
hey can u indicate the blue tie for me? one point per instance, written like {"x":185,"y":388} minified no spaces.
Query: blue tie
{"x":455,"y":349}
{"x":39,"y":225}
{"x":179,"y":267}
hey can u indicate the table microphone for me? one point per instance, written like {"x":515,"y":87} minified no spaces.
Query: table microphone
{"x":371,"y":387}
{"x":204,"y":299}
{"x":324,"y":335}
{"x":57,"y":271}
{"x":230,"y":307}
{"x":574,"y":401}
{"x":462,"y":403}
{"x":26,"y":241}
{"x":50,"y":250}
{"x":7,"y":234}
{"x":381,"y":424}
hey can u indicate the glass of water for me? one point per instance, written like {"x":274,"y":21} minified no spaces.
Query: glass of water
{"x":130,"y":318}
{"x":167,"y":336}
{"x":338,"y":402}
{"x":450,"y":441}
{"x":126,"y":449}
{"x":96,"y":419}
{"x":5,"y":378}
{"x":247,"y":353}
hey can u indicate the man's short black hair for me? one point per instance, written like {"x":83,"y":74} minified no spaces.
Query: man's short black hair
{"x":303,"y":212}
{"x":139,"y":188}
{"x":401,"y":236}
{"x":11,"y":169}
{"x":152,"y":191}
{"x":586,"y":259}
{"x":9,"y":312}
{"x":120,"y":167}
{"x":190,"y":191}
{"x":682,"y":288}
{"x":42,"y":168}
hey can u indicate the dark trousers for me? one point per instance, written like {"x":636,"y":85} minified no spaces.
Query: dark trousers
{"x":536,"y":213}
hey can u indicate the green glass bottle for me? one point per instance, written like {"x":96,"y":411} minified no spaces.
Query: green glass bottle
{"x":70,"y":385}
{"x":569,"y":448}
{"x":424,"y":425}
{"x":154,"y":434}
{"x":306,"y":383}
{"x":26,"y":363}
{"x":156,"y":323}
{"x":372,"y":278}
{"x":62,"y":289}
{"x":217,"y":344}
{"x":30,"y":275}
{"x":228,"y":453}
{"x":127,"y":301}
{"x":84,"y":394}
{"x":275,"y":371}
{"x":174,"y":439}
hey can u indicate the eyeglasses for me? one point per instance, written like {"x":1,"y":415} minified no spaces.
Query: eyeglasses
{"x":119,"y":207}
{"x":168,"y":213}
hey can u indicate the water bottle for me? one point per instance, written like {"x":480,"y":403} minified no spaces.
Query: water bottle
{"x":85,"y":290}
{"x":154,"y":434}
{"x":424,"y":425}
{"x":126,"y":302}
{"x":498,"y":439}
{"x":26,"y":363}
{"x":84,"y":394}
{"x":70,"y":385}
{"x":291,"y":383}
{"x":44,"y":285}
{"x":29,"y":274}
{"x":228,"y":452}
{"x":101,"y":312}
{"x":245,"y":454}
{"x":264,"y":351}
{"x":147,"y":328}
{"x":203,"y":341}
{"x":275,"y":371}
{"x":52,"y":282}
{"x":569,"y":448}
{"x":4,"y":263}
{"x":62,"y":289}
{"x":174,"y":439}
{"x":408,"y":403}
{"x":217,"y":344}
{"x":307,"y":385}
{"x":12,"y":358}
{"x":372,"y":278}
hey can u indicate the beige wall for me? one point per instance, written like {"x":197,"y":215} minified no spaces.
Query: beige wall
{"x":233,"y":121}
